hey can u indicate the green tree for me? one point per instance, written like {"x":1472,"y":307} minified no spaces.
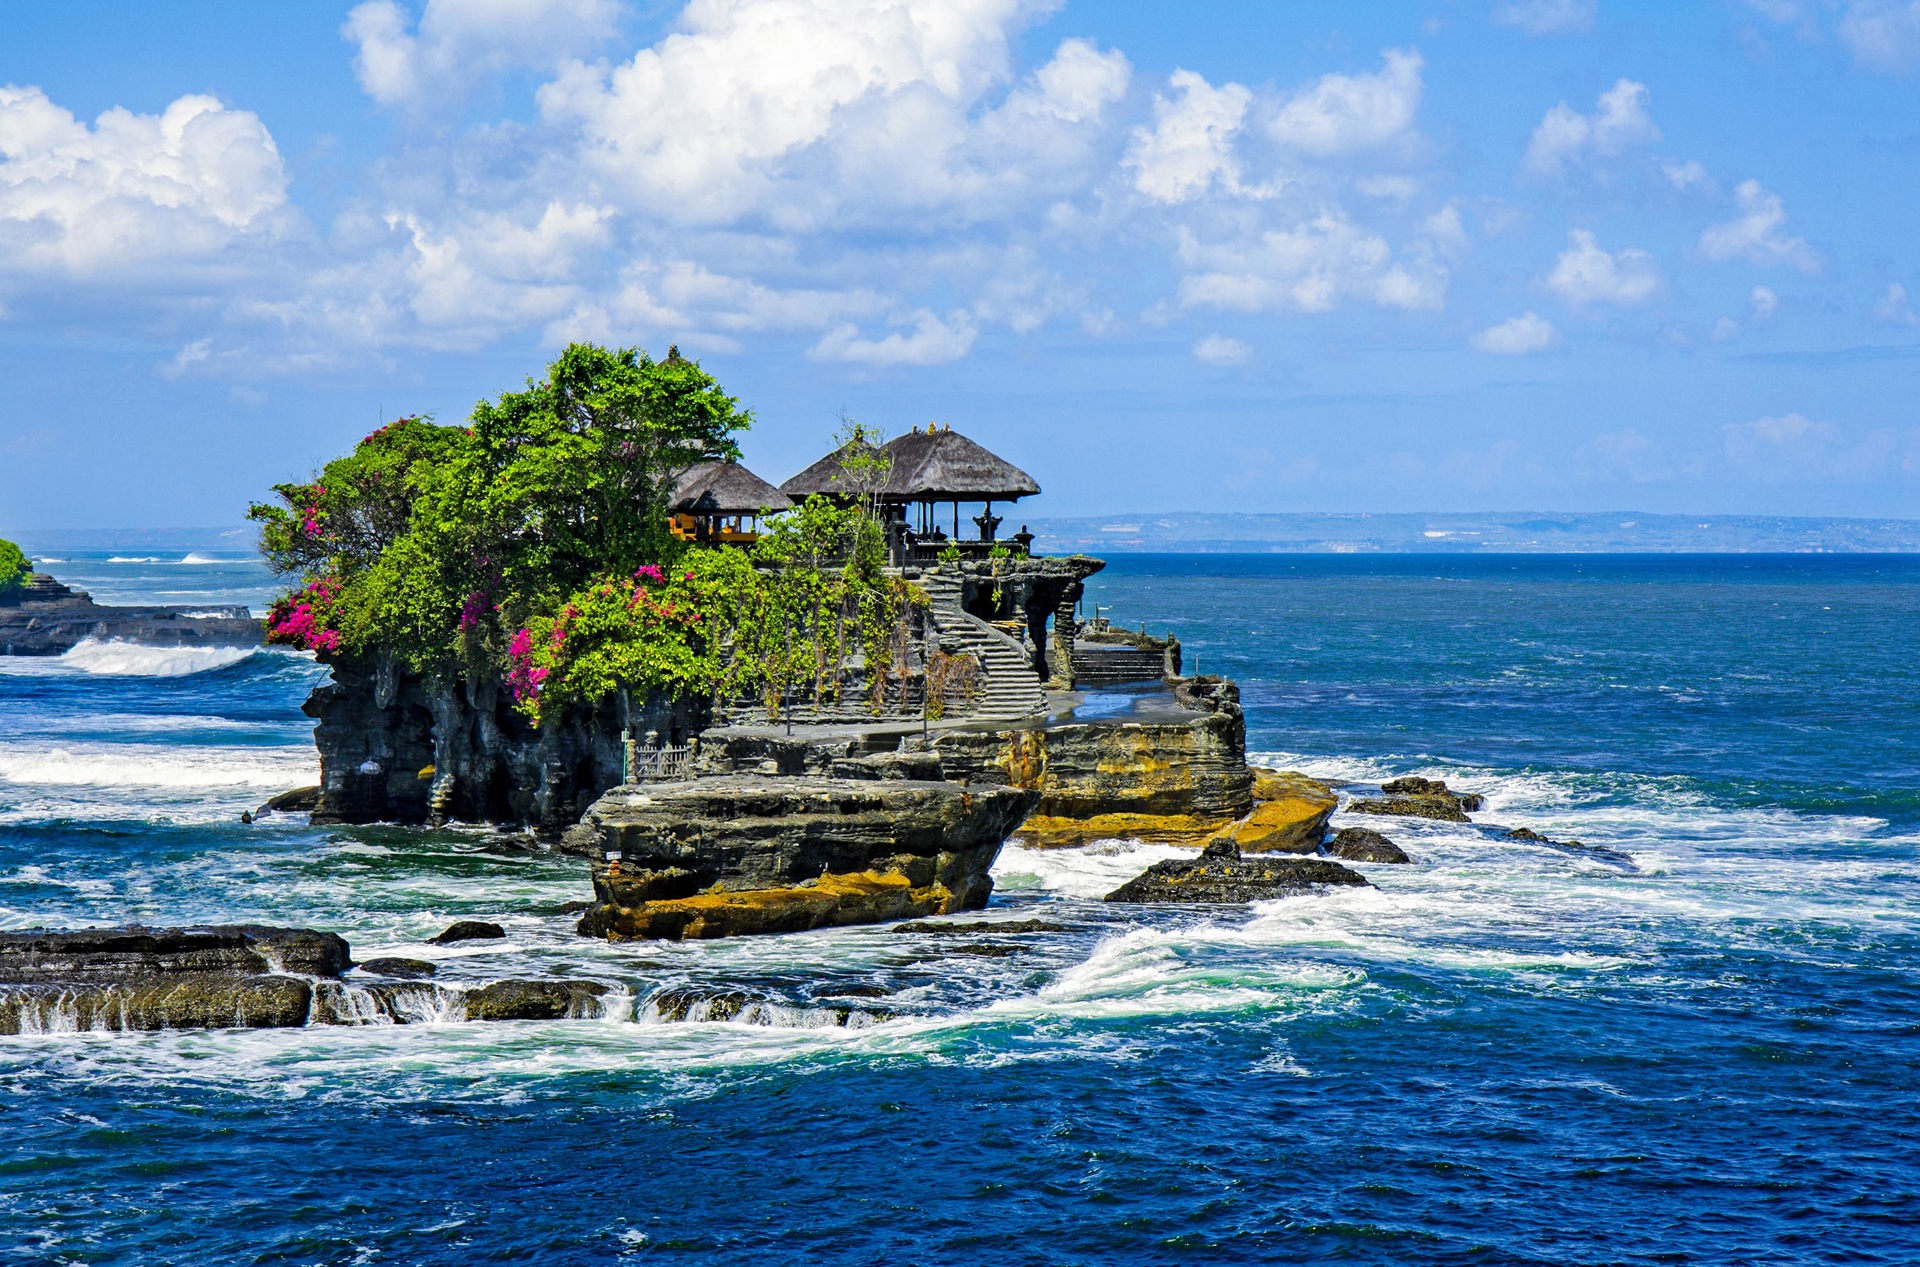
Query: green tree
{"x":15,"y":567}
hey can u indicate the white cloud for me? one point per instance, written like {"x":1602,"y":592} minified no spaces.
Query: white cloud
{"x":1627,"y":454}
{"x":1795,"y":448}
{"x":1762,"y":303}
{"x":1546,"y":17}
{"x":1190,"y":145}
{"x":1566,"y":137}
{"x":1758,"y":233}
{"x":460,"y":42}
{"x":1586,"y":273}
{"x":1309,"y":267}
{"x":1219,"y":349}
{"x":807,"y":111}
{"x":933,"y":342}
{"x":1343,"y":113}
{"x":1686,"y":175}
{"x":1894,"y":308}
{"x":134,"y":191}
{"x":1526,"y":333}
{"x":1882,"y":34}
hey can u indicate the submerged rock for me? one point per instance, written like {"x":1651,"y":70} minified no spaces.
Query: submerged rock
{"x":1291,"y":816}
{"x":410,"y":969}
{"x":534,"y":1000}
{"x":694,"y":1005}
{"x":742,"y":854}
{"x":188,"y":1000}
{"x":968,"y":928}
{"x":1357,"y":844}
{"x":1601,"y":852}
{"x":468,"y":930}
{"x":1220,"y":874}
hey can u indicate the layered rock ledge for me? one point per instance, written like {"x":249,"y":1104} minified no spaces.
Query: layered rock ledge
{"x":50,"y":619}
{"x":1221,"y":874}
{"x":738,"y":854}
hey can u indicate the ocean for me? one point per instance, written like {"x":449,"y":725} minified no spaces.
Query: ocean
{"x":1500,"y":1054}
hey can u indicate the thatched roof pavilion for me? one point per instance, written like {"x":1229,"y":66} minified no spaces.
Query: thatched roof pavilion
{"x":724,"y":488}
{"x":926,"y":467}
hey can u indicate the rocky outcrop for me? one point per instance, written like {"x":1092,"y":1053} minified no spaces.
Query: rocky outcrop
{"x":468,"y":930}
{"x":740,"y":854}
{"x":1601,"y":852}
{"x":1413,"y":797}
{"x":397,"y":747}
{"x":1177,"y":780}
{"x":1221,"y":874}
{"x":1289,"y":815}
{"x":242,"y":976}
{"x":48,"y":619}
{"x":1357,"y":844}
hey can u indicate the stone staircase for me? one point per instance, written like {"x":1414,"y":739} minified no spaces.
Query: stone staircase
{"x":1009,"y":688}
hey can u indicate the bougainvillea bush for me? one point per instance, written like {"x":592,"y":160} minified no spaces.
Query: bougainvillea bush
{"x":533,"y":545}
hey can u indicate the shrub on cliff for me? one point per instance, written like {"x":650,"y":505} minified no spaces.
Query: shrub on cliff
{"x":430,"y":541}
{"x":14,"y":569}
{"x":533,"y":544}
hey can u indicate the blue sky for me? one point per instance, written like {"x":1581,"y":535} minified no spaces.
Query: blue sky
{"x":1445,"y":255}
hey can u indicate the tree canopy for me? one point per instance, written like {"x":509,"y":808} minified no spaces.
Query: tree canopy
{"x":534,"y":544}
{"x":15,"y":567}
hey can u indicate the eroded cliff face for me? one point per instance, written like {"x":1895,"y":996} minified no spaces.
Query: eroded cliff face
{"x":1176,"y":781}
{"x":738,"y":854}
{"x":396,"y":747}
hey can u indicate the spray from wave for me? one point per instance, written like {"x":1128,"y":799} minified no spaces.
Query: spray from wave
{"x":109,"y":658}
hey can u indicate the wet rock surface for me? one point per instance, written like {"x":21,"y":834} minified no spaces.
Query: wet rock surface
{"x":133,"y":951}
{"x":695,"y":1005}
{"x":1358,"y":844}
{"x":1601,"y":852}
{"x":1221,"y":874}
{"x":408,"y":969}
{"x":1414,"y":797}
{"x":534,"y":1000}
{"x":299,"y":800}
{"x":744,"y":854}
{"x":973,"y":928}
{"x":468,"y":930}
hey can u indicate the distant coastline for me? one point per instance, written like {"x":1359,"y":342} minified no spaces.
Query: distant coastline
{"x":1357,"y":532}
{"x":1509,"y":532}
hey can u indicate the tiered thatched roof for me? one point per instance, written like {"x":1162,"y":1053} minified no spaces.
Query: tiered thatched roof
{"x":928,"y":466}
{"x":724,"y":488}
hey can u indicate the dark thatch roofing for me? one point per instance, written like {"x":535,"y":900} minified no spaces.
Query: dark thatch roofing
{"x":928,"y":466}
{"x":724,"y":488}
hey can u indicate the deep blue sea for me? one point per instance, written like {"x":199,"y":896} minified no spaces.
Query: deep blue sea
{"x":1502,"y":1054}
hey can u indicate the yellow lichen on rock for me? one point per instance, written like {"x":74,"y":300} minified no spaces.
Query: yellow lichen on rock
{"x":864,"y":897}
{"x":1042,"y":831}
{"x":1290,"y":817}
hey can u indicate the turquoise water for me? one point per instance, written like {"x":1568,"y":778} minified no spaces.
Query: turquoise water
{"x":1501,"y":1054}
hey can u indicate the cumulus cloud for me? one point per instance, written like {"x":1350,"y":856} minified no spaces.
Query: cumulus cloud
{"x":1762,"y":303}
{"x":1546,"y":17}
{"x":1219,"y":349}
{"x":1882,"y":34}
{"x":1340,"y":114}
{"x":1758,"y":233}
{"x":932,"y":341}
{"x":133,"y":191}
{"x":1894,"y":308}
{"x":459,"y":42}
{"x":1687,"y":175}
{"x":1585,"y":273}
{"x":1526,"y":333}
{"x":1795,"y":448}
{"x":1566,"y":137}
{"x":1190,"y":145}
{"x":810,"y":111}
{"x":1308,"y":267}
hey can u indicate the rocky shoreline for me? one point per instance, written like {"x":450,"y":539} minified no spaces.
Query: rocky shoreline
{"x":47,"y":618}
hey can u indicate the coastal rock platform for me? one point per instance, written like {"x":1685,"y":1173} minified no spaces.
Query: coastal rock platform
{"x":51,"y":619}
{"x":737,"y":854}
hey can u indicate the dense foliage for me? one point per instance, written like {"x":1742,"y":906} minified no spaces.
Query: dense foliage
{"x":14,"y":568}
{"x":533,"y":544}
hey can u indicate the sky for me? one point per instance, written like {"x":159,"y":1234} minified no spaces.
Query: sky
{"x":1411,"y":255}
